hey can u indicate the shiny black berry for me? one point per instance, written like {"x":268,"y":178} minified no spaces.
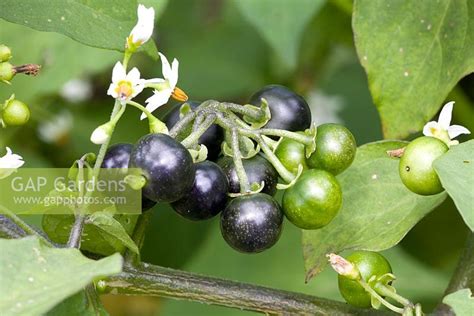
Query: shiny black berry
{"x":252,"y":223}
{"x":289,"y":110}
{"x":166,"y":164}
{"x":118,"y":157}
{"x":208,"y":196}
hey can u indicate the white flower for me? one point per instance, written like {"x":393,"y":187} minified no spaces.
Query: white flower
{"x":9,"y":163}
{"x":57,"y":129}
{"x":164,"y":88}
{"x":125,"y":86}
{"x":143,"y":30}
{"x":442,"y":130}
{"x":76,"y":90}
{"x":101,"y":134}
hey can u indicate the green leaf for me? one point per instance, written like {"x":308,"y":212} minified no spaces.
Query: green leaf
{"x":94,"y":239}
{"x":36,"y":277}
{"x":377,"y":211}
{"x":414,"y":53}
{"x":80,"y":304}
{"x":281,"y":23}
{"x":94,"y":23}
{"x":461,"y":302}
{"x":112,"y":230}
{"x":456,"y":172}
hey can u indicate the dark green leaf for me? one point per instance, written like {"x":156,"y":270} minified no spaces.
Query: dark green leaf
{"x":95,"y":23}
{"x":94,"y":239}
{"x":414,"y":52}
{"x":281,"y":23}
{"x":456,"y":171}
{"x":377,"y":211}
{"x":36,"y":277}
{"x":461,"y":302}
{"x":112,"y":230}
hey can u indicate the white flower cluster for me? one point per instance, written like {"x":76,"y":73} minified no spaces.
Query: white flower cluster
{"x":125,"y":86}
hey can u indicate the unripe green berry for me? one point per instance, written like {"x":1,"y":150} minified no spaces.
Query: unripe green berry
{"x":6,"y":72}
{"x":416,"y":165}
{"x":5,"y":53}
{"x":15,"y":113}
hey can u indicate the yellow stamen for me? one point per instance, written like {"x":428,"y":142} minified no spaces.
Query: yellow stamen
{"x":124,"y":90}
{"x":179,"y":95}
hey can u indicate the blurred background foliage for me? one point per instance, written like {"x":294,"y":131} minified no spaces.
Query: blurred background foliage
{"x":224,"y":56}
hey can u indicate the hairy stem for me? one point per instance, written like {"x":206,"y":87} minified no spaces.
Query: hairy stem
{"x":182,"y":124}
{"x":463,"y":277}
{"x":157,"y":281}
{"x":273,"y":159}
{"x":193,"y":138}
{"x":239,"y":166}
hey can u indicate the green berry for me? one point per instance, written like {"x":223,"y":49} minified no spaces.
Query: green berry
{"x":291,"y":154}
{"x":416,"y":165}
{"x":335,"y":149}
{"x":314,"y":200}
{"x":369,"y":264}
{"x":15,"y":113}
{"x":5,"y":53}
{"x":6,"y":72}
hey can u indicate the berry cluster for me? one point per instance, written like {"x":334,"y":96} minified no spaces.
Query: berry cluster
{"x":250,"y":221}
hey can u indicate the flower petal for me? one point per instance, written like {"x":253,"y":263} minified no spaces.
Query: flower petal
{"x":143,"y":30}
{"x":158,"y":99}
{"x":430,"y":127}
{"x":173,"y":79}
{"x":166,"y":68}
{"x":445,"y":115}
{"x":133,"y":76}
{"x":456,"y":130}
{"x":118,"y":73}
{"x":111,"y":91}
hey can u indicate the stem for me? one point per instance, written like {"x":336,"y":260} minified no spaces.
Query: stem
{"x":193,"y":138}
{"x":151,"y":280}
{"x":74,"y":240}
{"x":306,"y":140}
{"x":24,"y":226}
{"x":373,"y":293}
{"x":273,"y":159}
{"x":384,"y":291}
{"x":239,"y":166}
{"x":237,"y":108}
{"x":182,"y":124}
{"x":148,"y":114}
{"x":463,"y":277}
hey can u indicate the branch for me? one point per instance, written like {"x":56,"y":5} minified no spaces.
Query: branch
{"x":463,"y":276}
{"x":158,"y":281}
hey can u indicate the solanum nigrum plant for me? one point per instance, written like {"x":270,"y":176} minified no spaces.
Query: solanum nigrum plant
{"x":222,"y":158}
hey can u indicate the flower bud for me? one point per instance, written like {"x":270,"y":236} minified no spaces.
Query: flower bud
{"x":343,"y":267}
{"x":15,"y":112}
{"x":7,"y":72}
{"x":5,"y":53}
{"x":102,"y":133}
